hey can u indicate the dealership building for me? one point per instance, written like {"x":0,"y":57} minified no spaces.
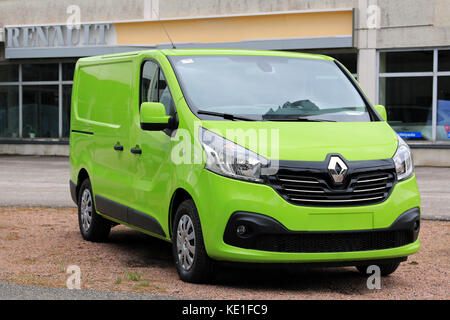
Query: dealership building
{"x":398,"y":50}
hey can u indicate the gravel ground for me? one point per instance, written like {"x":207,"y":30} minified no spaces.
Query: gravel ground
{"x":37,"y":245}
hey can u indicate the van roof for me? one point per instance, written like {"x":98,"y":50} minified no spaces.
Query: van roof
{"x":195,"y":52}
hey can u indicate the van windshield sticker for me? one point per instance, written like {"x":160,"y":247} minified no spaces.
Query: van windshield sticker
{"x":185,"y":61}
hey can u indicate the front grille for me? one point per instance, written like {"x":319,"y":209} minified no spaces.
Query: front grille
{"x":333,"y":241}
{"x":303,"y":187}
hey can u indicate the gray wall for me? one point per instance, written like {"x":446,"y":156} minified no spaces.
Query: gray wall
{"x":404,"y":23}
{"x":14,"y":12}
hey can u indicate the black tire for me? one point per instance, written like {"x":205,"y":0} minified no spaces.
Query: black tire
{"x":99,"y":228}
{"x":202,"y":267}
{"x":385,"y":268}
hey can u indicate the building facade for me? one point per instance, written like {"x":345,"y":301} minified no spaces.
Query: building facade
{"x":398,"y":50}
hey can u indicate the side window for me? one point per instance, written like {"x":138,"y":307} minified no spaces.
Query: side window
{"x":154,"y":87}
{"x":149,"y":83}
{"x":164,"y":95}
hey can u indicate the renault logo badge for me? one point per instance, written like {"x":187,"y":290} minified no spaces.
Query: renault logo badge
{"x":337,"y":169}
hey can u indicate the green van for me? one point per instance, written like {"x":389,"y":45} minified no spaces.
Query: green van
{"x":240,"y":156}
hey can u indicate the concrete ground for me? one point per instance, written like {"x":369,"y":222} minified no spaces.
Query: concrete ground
{"x":34,"y":181}
{"x":44,"y":181}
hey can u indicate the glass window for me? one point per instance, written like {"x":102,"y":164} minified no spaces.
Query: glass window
{"x":149,"y":85}
{"x":164,"y":95}
{"x":40,"y":72}
{"x":40,"y":111}
{"x":444,"y":60}
{"x":349,"y":60}
{"x":68,"y":70}
{"x":270,"y":88}
{"x":408,"y":102}
{"x":9,"y":111}
{"x":443,"y":112}
{"x":9,"y":72}
{"x":411,"y":61}
{"x":66,"y":102}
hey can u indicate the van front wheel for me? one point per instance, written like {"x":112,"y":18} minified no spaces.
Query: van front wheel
{"x":188,"y":249}
{"x":93,"y":227}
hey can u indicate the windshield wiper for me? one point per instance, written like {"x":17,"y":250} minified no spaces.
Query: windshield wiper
{"x":295,"y":119}
{"x":313,"y":120}
{"x":224,"y":115}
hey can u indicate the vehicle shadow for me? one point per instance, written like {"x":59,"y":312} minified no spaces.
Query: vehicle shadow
{"x":293,"y":277}
{"x":139,"y":250}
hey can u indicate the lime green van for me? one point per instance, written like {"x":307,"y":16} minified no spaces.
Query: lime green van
{"x":240,"y":156}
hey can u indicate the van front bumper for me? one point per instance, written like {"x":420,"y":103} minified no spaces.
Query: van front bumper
{"x":290,"y":224}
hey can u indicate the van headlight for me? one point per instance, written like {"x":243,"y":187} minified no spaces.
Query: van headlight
{"x":229,"y":159}
{"x":403,"y":160}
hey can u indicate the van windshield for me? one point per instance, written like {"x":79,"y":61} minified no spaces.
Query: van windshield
{"x":267,"y":88}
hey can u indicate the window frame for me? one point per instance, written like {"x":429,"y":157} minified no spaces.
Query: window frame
{"x":435,"y":74}
{"x":160,"y":69}
{"x":352,"y":78}
{"x":20,"y":83}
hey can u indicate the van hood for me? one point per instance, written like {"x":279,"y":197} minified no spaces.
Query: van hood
{"x":311,"y":141}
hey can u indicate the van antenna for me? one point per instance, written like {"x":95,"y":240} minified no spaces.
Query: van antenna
{"x":164,"y":28}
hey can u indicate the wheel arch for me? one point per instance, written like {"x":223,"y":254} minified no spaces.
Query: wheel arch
{"x":178,"y":197}
{"x":82,"y":175}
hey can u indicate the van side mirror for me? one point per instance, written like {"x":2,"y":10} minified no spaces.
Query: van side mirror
{"x":381,"y":110}
{"x":153,"y":116}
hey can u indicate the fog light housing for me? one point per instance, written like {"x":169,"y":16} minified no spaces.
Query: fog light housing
{"x":241,"y":230}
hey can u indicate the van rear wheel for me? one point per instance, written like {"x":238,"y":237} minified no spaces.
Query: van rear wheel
{"x":188,"y":249}
{"x":93,"y":227}
{"x":385,"y":268}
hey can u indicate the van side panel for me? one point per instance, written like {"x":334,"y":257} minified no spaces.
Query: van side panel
{"x":104,"y":95}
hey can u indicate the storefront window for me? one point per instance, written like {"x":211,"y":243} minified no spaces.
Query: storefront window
{"x":444,"y":60}
{"x":9,"y":111}
{"x":408,"y":83}
{"x":443,"y":112}
{"x":44,"y":90}
{"x":408,"y":104}
{"x":409,"y":61}
{"x":40,"y":72}
{"x":9,"y":72}
{"x":68,"y":71}
{"x":67,"y":96}
{"x":40,"y":111}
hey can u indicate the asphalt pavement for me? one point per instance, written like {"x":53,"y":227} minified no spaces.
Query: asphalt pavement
{"x":44,"y":182}
{"x":9,"y":291}
{"x":35,"y":181}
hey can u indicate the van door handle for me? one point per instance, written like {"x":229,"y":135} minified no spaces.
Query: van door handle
{"x":118,"y":147}
{"x":136,"y":151}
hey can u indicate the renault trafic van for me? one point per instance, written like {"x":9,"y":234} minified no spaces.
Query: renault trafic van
{"x":240,"y":156}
